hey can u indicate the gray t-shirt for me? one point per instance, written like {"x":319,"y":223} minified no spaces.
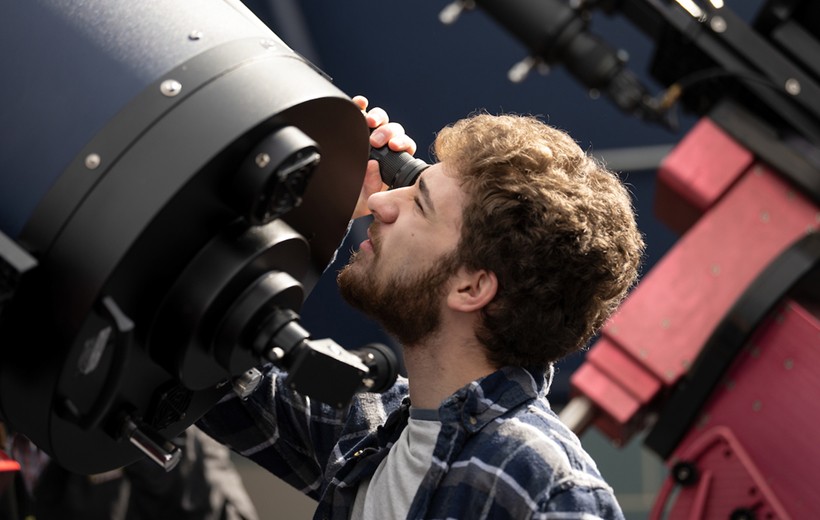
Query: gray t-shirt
{"x":389,"y":493}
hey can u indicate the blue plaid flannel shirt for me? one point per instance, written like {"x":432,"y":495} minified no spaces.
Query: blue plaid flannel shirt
{"x":502,"y":453}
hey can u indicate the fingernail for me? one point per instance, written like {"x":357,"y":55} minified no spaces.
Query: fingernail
{"x":378,"y":139}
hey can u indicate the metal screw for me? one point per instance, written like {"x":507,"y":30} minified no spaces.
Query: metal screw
{"x":521,"y":70}
{"x":276,"y":353}
{"x":262,"y":160}
{"x":685,"y":473}
{"x":718,"y":24}
{"x":170,"y":87}
{"x":92,"y":161}
{"x":195,"y":35}
{"x":452,"y":11}
{"x":245,"y":384}
{"x":793,"y":86}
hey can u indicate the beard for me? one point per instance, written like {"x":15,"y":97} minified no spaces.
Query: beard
{"x":406,"y":305}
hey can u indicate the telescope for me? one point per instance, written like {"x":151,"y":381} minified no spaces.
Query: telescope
{"x":173,"y":180}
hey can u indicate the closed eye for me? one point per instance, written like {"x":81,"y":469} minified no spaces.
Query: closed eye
{"x":418,"y":204}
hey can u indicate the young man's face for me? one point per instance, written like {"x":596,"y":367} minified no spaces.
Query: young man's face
{"x":399,"y":275}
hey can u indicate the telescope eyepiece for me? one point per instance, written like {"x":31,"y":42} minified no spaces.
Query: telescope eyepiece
{"x":398,"y":169}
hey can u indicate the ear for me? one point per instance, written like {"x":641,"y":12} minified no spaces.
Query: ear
{"x":472,"y":290}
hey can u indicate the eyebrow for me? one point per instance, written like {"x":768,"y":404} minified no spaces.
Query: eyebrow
{"x":425,"y":193}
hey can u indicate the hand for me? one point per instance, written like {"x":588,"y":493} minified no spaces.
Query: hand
{"x":385,"y":132}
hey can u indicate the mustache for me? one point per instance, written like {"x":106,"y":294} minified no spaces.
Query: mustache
{"x":374,"y":235}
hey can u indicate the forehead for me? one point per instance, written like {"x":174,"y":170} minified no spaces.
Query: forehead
{"x":443,"y":189}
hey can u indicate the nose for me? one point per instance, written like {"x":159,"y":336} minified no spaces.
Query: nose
{"x":384,"y":205}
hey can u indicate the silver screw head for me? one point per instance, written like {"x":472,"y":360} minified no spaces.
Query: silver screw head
{"x":792,"y":86}
{"x":262,"y":160}
{"x":92,"y":161}
{"x":170,"y":87}
{"x":718,"y":24}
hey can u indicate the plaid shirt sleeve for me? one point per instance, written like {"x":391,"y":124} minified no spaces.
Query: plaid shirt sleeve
{"x":300,"y":440}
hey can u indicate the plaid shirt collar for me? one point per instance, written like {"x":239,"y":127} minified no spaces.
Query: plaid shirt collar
{"x":486,"y":399}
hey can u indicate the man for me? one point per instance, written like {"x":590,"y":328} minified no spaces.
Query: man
{"x":504,"y":257}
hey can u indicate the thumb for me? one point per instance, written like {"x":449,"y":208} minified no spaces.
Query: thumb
{"x":372,"y":184}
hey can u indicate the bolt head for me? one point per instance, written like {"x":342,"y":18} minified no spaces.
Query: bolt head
{"x":718,"y":24}
{"x":262,"y":160}
{"x":170,"y":87}
{"x":92,"y":161}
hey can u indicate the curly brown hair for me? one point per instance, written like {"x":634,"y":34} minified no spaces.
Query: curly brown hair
{"x":555,"y":226}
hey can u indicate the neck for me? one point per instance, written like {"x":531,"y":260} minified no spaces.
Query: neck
{"x":439,"y":366}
